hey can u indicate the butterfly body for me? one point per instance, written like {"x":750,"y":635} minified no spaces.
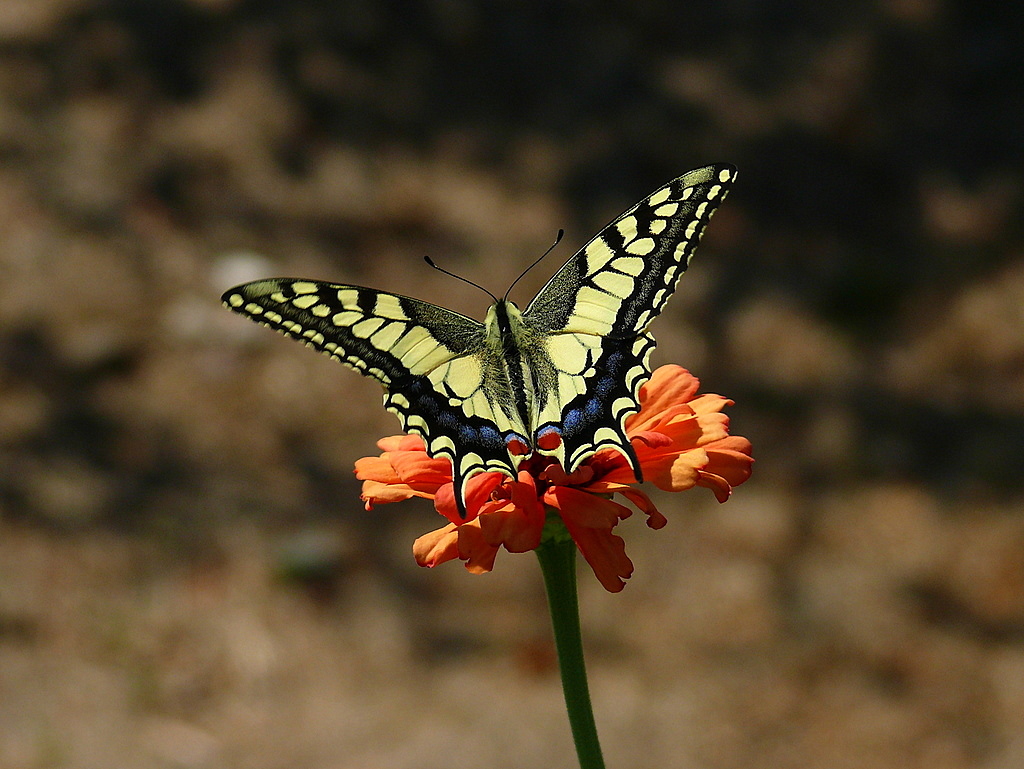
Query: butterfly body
{"x":559,"y":378}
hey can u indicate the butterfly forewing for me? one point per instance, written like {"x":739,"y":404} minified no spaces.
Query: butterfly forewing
{"x":596,"y":309}
{"x":439,"y":378}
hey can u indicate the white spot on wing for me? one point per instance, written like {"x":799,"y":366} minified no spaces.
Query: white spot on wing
{"x":659,"y":197}
{"x":387,"y":336}
{"x":627,"y":227}
{"x":388,"y":306}
{"x":598,"y":253}
{"x":641,"y":246}
{"x":442,"y":444}
{"x":305,"y":301}
{"x":365,"y":328}
{"x":629,"y":265}
{"x":463,"y":376}
{"x":614,"y":283}
{"x":349,"y":297}
{"x":569,"y":353}
{"x":347,"y":319}
{"x":593,"y":304}
{"x":413,"y":338}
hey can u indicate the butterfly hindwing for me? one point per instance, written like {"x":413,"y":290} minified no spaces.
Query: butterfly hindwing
{"x":595,"y":311}
{"x":440,"y":379}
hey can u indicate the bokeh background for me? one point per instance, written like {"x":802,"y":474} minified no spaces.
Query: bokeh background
{"x":187,"y":577}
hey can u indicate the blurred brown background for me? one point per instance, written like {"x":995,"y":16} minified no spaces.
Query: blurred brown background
{"x":187,"y":578}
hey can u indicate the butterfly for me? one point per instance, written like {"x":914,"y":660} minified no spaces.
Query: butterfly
{"x":559,"y":378}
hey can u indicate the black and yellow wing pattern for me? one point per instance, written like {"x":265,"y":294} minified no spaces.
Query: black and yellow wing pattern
{"x":559,"y":378}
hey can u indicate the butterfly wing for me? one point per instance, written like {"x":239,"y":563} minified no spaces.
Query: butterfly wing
{"x":438,"y":375}
{"x":595,"y":311}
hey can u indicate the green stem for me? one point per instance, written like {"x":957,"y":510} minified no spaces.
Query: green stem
{"x":558,"y":564}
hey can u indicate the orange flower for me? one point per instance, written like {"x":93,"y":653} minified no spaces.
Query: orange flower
{"x":681,"y":440}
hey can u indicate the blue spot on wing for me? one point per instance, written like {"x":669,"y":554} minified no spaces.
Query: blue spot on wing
{"x":488,"y":434}
{"x":572,"y":420}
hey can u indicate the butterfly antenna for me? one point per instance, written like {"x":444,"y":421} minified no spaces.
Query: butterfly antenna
{"x":558,"y":239}
{"x":430,"y":261}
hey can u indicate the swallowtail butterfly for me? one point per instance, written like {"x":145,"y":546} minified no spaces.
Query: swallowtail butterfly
{"x":558,"y":378}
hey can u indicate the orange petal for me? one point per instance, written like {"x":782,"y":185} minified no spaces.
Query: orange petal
{"x":721,"y":487}
{"x":651,"y":439}
{"x":589,"y":520}
{"x":676,"y":471}
{"x":709,"y":402}
{"x":376,"y":469}
{"x":713,"y":427}
{"x":478,"y":554}
{"x":518,"y":522}
{"x":655,"y":519}
{"x":512,"y":528}
{"x":376,"y":493}
{"x":585,"y":509}
{"x":668,"y":386}
{"x":606,"y":554}
{"x":417,"y":468}
{"x":479,"y":489}
{"x":730,"y":458}
{"x":401,"y":443}
{"x":437,"y":547}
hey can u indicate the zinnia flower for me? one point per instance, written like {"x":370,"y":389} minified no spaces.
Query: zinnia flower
{"x":681,"y":440}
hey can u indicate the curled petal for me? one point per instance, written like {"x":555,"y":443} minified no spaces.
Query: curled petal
{"x":585,"y":509}
{"x":709,"y":403}
{"x":589,"y":519}
{"x":655,"y":519}
{"x":518,"y":522}
{"x":510,"y":527}
{"x":729,"y":464}
{"x":730,"y":458}
{"x":397,"y":442}
{"x":668,"y":387}
{"x":437,"y":547}
{"x":450,"y":542}
{"x":377,"y":469}
{"x":606,"y":554}
{"x":713,"y":427}
{"x":416,"y":468}
{"x":479,"y":490}
{"x":478,"y":554}
{"x":675,"y":471}
{"x":377,"y":493}
{"x":404,"y":470}
{"x":651,"y":439}
{"x":718,"y":485}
